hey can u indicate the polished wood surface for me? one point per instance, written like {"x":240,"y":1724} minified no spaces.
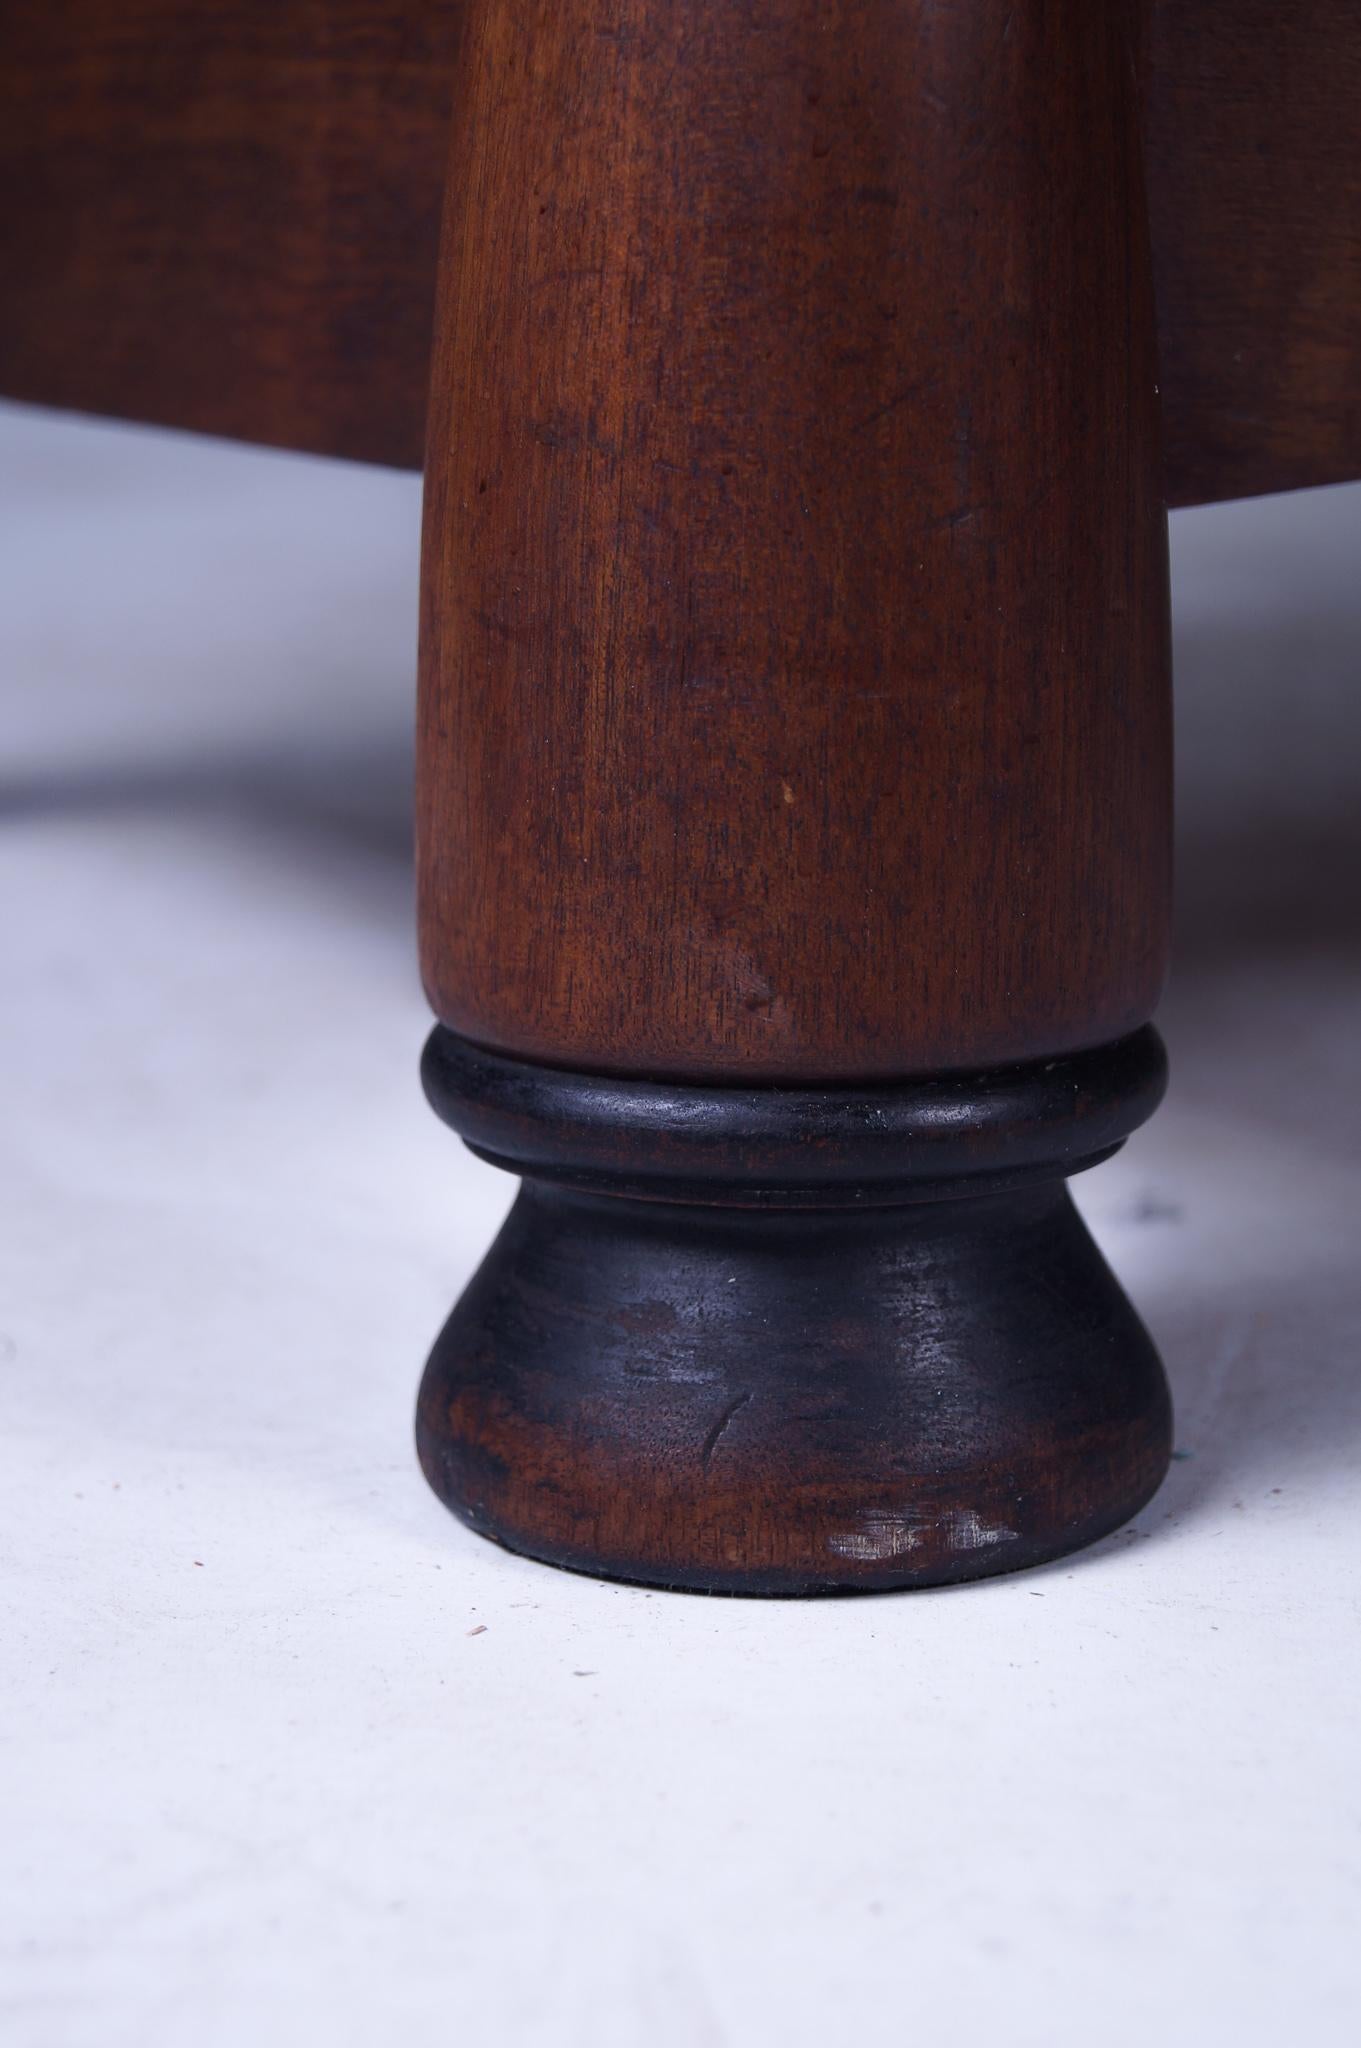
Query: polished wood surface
{"x":225,"y":218}
{"x":794,"y":687}
{"x":794,"y":708}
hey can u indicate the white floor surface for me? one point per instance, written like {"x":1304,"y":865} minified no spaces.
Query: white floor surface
{"x":286,"y":1755}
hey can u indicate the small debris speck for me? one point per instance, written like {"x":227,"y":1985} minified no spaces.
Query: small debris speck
{"x":199,"y":1562}
{"x":480,"y":1630}
{"x":583,"y":1674}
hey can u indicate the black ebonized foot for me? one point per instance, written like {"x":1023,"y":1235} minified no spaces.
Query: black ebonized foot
{"x":795,"y":1340}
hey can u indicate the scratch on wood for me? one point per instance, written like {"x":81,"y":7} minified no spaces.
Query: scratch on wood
{"x":712,"y":1439}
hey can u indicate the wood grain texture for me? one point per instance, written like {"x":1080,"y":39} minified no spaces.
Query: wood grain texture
{"x":794,"y":694}
{"x":1254,"y":155}
{"x":225,"y":218}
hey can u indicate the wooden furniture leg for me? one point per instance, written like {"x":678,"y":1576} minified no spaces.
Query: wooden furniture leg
{"x":794,"y":781}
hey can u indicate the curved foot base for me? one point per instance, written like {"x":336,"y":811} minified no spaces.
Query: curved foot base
{"x":793,"y":1400}
{"x":748,"y":1403}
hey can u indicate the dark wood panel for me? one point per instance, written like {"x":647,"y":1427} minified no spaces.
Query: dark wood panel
{"x":225,"y":218}
{"x":1254,"y":156}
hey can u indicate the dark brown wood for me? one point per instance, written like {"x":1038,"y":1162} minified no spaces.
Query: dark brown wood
{"x":225,"y":218}
{"x":794,"y":664}
{"x":820,"y":1148}
{"x":847,"y":1341}
{"x":1254,"y":156}
{"x":794,"y":710}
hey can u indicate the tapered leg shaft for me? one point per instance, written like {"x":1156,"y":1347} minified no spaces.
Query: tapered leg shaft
{"x":794,"y":779}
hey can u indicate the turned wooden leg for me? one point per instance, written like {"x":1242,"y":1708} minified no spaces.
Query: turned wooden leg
{"x":794,"y":781}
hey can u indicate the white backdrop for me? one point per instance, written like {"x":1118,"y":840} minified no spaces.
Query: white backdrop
{"x":262,"y":1781}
